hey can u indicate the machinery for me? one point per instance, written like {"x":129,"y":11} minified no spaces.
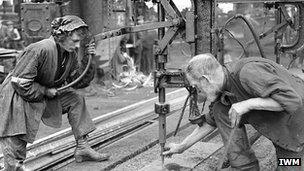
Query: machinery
{"x":200,"y":30}
{"x":36,"y":19}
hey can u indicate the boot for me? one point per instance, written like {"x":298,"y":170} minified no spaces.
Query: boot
{"x":17,"y":167}
{"x":254,"y":166}
{"x":84,"y":152}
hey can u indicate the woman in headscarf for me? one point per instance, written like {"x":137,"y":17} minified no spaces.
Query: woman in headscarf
{"x":29,"y":93}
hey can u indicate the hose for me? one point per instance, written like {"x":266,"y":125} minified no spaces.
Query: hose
{"x":256,"y":38}
{"x":232,"y":36}
{"x":79,"y":78}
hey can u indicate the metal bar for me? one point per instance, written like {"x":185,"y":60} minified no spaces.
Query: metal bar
{"x":151,"y":26}
{"x":168,"y":37}
{"x":175,"y":8}
{"x":274,"y":28}
{"x":169,"y":9}
{"x":133,"y":29}
{"x":161,"y":91}
{"x":278,"y":35}
{"x":204,"y":10}
{"x":129,"y":13}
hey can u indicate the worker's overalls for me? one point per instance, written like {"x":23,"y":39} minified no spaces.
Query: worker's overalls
{"x":273,"y":125}
{"x":240,"y":155}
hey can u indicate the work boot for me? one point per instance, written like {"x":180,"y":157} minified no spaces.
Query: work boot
{"x":84,"y":152}
{"x":254,"y":166}
{"x":17,"y":167}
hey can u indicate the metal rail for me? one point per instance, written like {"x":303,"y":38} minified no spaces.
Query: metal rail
{"x":50,"y":152}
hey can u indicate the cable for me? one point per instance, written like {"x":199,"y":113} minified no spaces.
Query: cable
{"x":232,"y":36}
{"x":239,"y":16}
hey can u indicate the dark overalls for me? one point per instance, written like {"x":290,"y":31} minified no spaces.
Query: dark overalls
{"x":285,"y":129}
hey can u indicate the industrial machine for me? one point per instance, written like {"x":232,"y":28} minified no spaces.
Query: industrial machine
{"x":200,"y":30}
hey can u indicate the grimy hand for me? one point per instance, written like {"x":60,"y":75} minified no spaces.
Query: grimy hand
{"x":91,"y":49}
{"x":172,"y":148}
{"x":51,"y":92}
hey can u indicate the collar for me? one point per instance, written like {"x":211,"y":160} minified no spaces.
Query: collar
{"x":52,"y":39}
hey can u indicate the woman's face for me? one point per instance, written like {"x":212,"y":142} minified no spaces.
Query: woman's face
{"x":10,"y":26}
{"x":71,"y":43}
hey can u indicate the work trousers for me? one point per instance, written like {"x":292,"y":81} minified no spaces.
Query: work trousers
{"x":79,"y":118}
{"x":240,"y":154}
{"x":14,"y":148}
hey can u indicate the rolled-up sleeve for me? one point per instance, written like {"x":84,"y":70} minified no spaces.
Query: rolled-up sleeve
{"x":24,"y":76}
{"x":261,"y":80}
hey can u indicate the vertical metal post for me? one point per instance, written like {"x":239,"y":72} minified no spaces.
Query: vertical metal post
{"x":160,"y":66}
{"x":205,"y":17}
{"x":129,"y":13}
{"x":277,"y":35}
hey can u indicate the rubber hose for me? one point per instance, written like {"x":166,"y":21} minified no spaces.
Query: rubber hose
{"x":256,"y":38}
{"x":79,"y":78}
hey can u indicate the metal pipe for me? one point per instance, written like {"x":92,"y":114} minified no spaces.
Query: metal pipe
{"x":204,"y":12}
{"x":160,"y":66}
{"x":277,"y":35}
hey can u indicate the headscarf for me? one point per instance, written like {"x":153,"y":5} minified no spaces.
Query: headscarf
{"x":66,"y":23}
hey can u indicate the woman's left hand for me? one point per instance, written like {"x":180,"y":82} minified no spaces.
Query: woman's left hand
{"x":91,"y":49}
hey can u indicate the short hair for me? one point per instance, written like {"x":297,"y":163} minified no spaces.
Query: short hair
{"x":202,"y":64}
